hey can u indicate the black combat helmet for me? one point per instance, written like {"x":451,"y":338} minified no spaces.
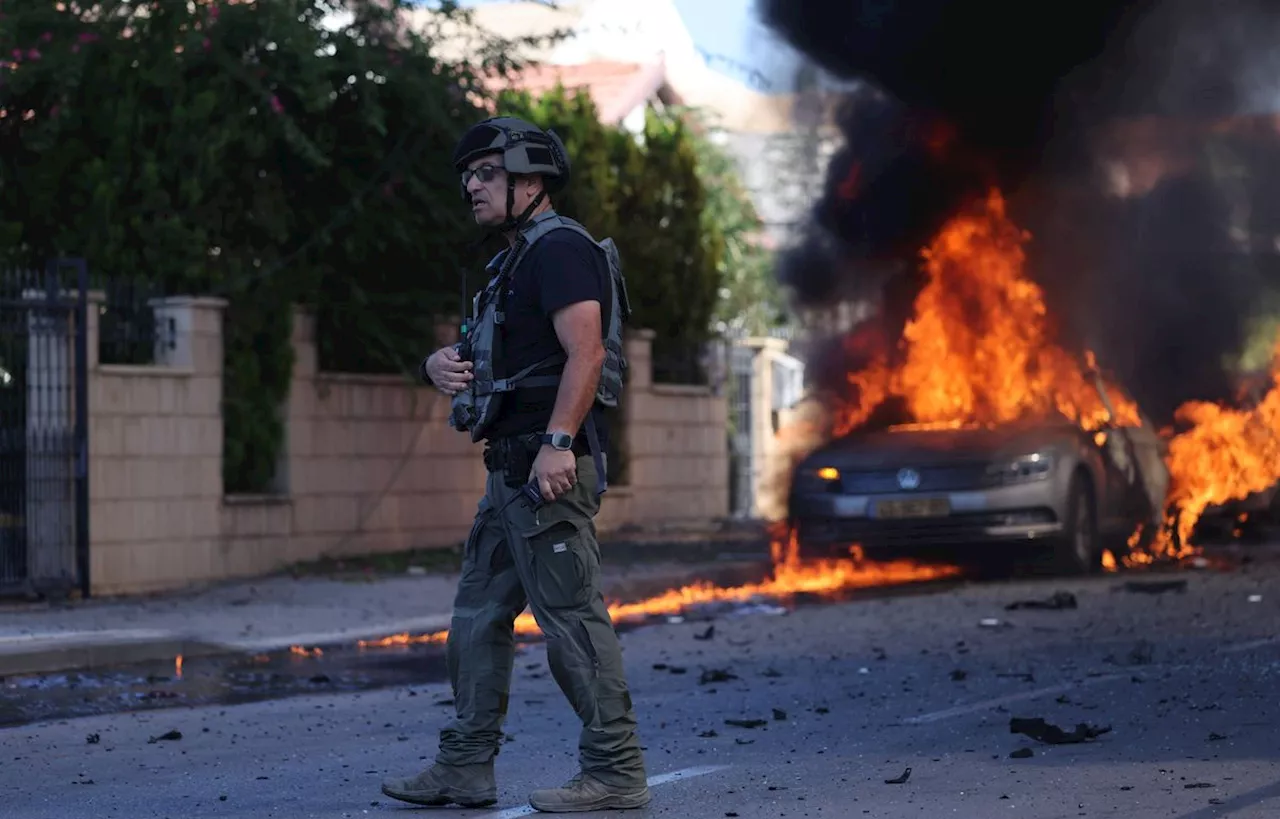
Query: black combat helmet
{"x":525,"y":149}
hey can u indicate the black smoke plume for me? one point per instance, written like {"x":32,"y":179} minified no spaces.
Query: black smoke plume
{"x":1043,"y":99}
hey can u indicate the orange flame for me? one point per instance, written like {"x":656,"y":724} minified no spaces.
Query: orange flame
{"x":1225,"y":455}
{"x":789,"y":577}
{"x":978,"y":350}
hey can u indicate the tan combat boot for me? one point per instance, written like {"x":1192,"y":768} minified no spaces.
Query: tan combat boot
{"x":585,"y":793}
{"x":471,"y":786}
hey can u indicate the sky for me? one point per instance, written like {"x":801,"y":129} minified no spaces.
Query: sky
{"x":732,"y":39}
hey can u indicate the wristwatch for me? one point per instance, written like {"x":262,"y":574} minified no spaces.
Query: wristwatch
{"x":562,"y":441}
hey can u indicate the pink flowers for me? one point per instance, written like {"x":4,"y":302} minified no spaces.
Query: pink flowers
{"x":276,"y":105}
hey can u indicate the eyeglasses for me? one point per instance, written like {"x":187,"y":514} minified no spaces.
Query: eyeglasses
{"x":485,"y":173}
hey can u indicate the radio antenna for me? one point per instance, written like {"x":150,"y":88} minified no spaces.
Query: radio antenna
{"x":463,"y":315}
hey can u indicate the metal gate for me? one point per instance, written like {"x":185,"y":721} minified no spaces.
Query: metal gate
{"x":760,"y":389}
{"x":44,"y":503}
{"x":741,"y":452}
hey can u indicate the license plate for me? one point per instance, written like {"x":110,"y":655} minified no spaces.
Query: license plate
{"x":913,"y":508}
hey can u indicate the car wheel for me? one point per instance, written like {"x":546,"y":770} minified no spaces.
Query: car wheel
{"x":1077,"y":552}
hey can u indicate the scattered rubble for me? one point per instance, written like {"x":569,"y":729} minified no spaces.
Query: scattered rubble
{"x":1059,"y":601}
{"x":1038,"y":729}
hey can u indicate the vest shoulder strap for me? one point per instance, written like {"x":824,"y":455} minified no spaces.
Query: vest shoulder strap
{"x":540,"y":226}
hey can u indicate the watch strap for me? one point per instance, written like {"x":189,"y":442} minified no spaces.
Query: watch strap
{"x":558,"y":440}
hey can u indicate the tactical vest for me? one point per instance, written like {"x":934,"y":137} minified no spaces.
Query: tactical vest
{"x":475,"y":408}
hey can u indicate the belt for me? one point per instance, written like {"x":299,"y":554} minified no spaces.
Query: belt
{"x":497,"y":453}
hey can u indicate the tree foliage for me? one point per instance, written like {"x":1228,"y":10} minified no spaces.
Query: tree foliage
{"x":296,"y":151}
{"x":257,"y":151}
{"x":749,"y":300}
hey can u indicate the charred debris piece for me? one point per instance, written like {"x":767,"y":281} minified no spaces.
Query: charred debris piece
{"x":167,"y":736}
{"x":1059,"y":601}
{"x":1155,"y":586}
{"x":716,"y":675}
{"x":901,"y":780}
{"x":1038,"y":729}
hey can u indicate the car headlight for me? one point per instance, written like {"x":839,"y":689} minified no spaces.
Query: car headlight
{"x":1037,"y":466}
{"x":817,"y":479}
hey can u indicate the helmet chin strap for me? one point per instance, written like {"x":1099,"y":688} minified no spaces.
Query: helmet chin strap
{"x":514,"y":223}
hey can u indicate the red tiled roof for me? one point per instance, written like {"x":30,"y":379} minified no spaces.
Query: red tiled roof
{"x":616,"y":88}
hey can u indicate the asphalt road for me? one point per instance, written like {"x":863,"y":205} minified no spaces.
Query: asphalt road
{"x":847,"y":696}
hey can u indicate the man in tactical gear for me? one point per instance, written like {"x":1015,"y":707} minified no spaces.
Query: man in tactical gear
{"x":541,"y":353}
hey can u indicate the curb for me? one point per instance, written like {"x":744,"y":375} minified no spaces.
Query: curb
{"x":85,"y":650}
{"x":93,"y":650}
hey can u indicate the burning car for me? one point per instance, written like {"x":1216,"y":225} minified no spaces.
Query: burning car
{"x":945,"y":490}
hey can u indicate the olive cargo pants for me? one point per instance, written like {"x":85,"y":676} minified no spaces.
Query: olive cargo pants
{"x":549,"y":560}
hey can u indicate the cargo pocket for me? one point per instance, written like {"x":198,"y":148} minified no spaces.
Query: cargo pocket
{"x":562,"y":565}
{"x":469,"y":547}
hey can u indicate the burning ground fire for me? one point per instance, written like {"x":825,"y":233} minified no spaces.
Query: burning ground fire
{"x":979,"y":351}
{"x":790,"y":576}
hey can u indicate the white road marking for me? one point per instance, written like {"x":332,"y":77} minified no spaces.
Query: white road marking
{"x":961,"y":710}
{"x":1251,"y":645}
{"x":660,"y":779}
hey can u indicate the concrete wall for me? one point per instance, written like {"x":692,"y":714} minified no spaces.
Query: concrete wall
{"x":155,"y":456}
{"x":370,"y":465}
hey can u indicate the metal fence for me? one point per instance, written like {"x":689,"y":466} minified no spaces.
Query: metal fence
{"x":680,"y":362}
{"x":44,"y":501}
{"x":127,"y":329}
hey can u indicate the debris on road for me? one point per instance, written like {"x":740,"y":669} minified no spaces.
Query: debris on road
{"x":708,"y":634}
{"x":1155,"y":586}
{"x":1022,"y":753}
{"x":716,"y":675}
{"x":1038,"y":729}
{"x":958,"y":674}
{"x":746,"y":723}
{"x":901,"y":780}
{"x":1057,"y":602}
{"x":779,"y":714}
{"x":168,"y":736}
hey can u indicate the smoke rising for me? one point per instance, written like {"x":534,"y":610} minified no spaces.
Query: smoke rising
{"x":1102,"y":121}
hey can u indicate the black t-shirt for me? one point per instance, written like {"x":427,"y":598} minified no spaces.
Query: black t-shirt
{"x":562,"y":268}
